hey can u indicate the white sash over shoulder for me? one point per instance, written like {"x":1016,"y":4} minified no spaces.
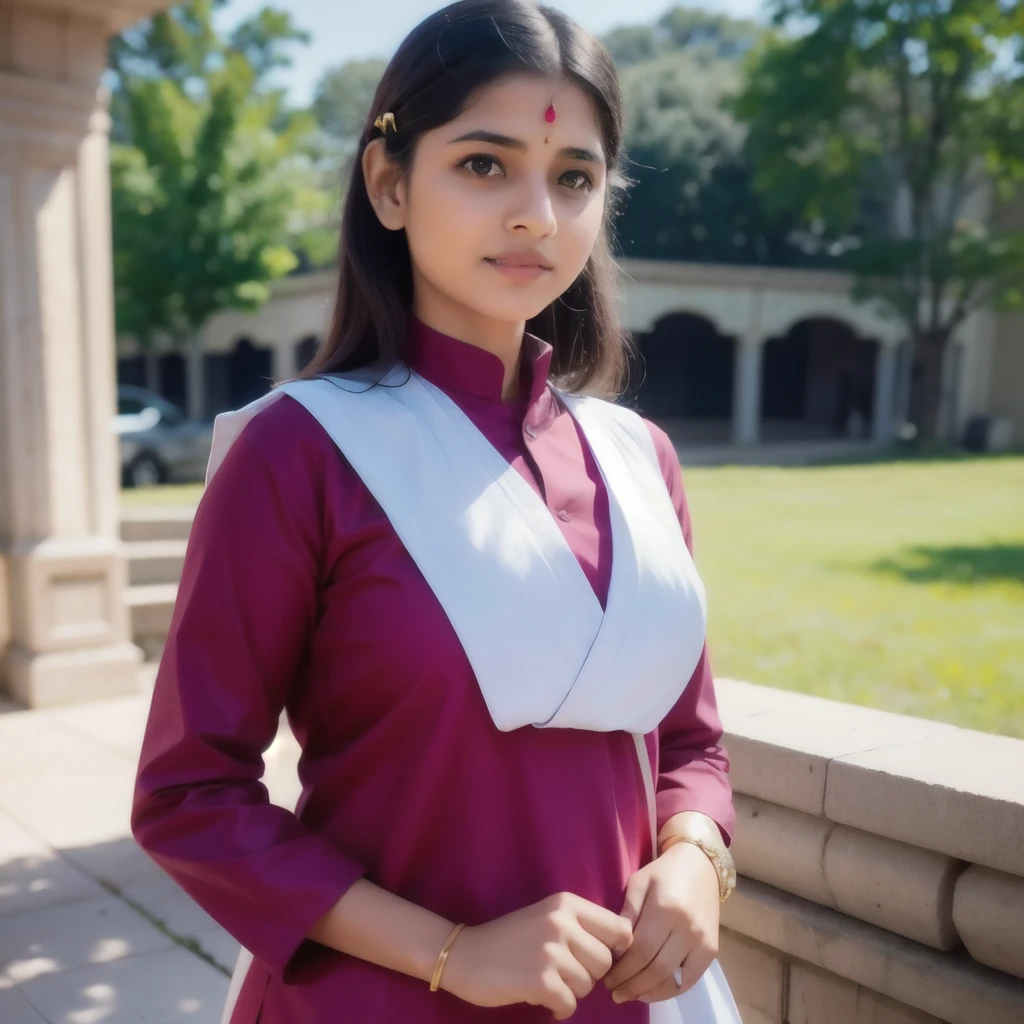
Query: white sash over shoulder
{"x":543,"y":650}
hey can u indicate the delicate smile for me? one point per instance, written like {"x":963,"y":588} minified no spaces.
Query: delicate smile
{"x":522,"y":266}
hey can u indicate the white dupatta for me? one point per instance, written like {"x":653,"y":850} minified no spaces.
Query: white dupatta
{"x":543,"y":650}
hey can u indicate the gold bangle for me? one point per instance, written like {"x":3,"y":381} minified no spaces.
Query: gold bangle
{"x":720,"y":857}
{"x":442,"y":959}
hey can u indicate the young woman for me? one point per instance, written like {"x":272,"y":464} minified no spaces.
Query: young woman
{"x":469,"y":587}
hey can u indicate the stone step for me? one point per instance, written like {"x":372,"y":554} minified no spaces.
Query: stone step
{"x":150,"y":607}
{"x":157,"y":523}
{"x":155,"y":561}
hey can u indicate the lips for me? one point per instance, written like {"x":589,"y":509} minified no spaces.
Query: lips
{"x":520,"y":260}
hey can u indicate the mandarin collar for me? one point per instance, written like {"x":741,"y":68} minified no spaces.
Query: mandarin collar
{"x":457,"y":366}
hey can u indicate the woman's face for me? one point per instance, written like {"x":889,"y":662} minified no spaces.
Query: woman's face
{"x":502,"y":208}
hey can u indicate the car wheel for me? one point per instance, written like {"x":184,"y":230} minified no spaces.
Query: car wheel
{"x":144,"y":471}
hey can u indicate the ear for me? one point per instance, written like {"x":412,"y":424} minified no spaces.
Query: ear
{"x":385,"y":185}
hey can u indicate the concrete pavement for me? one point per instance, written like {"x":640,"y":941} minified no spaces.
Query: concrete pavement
{"x":91,"y":931}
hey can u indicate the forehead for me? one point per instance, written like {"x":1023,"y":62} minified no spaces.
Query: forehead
{"x":521,"y":99}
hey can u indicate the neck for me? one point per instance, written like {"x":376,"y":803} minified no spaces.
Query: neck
{"x":499,"y":337}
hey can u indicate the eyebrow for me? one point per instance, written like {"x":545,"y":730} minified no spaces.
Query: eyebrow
{"x":506,"y":142}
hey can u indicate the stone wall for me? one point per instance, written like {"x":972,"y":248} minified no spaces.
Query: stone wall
{"x":882,"y":866}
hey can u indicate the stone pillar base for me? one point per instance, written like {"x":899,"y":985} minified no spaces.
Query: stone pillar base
{"x":67,"y":677}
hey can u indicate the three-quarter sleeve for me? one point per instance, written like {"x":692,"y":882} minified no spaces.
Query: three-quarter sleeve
{"x":693,"y":767}
{"x":247,"y":602}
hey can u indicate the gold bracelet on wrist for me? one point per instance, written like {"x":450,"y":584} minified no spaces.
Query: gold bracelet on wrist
{"x":720,"y":857}
{"x":442,"y":959}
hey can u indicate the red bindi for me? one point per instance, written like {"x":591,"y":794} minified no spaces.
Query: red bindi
{"x":549,"y":114}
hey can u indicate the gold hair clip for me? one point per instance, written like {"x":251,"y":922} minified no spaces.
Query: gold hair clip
{"x":386,"y":121}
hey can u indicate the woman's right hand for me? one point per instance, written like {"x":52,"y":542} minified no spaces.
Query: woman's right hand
{"x":549,"y":954}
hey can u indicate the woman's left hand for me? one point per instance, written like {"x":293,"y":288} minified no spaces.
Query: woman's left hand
{"x":673,"y":907}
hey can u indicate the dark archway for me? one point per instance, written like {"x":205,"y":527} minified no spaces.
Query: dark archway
{"x":173,"y":383}
{"x":131,"y":370}
{"x":249,"y":373}
{"x":818,"y":380}
{"x":304,"y":352}
{"x":685,"y":372}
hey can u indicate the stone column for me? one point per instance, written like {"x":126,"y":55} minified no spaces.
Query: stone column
{"x":283,"y":361}
{"x":195,"y":379}
{"x":885,"y":393}
{"x":62,"y":566}
{"x":151,"y":363}
{"x":746,"y":403}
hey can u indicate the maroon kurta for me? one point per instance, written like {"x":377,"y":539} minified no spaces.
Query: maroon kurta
{"x":297,"y":594}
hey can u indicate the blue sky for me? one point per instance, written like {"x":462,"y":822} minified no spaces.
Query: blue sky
{"x":343,"y":29}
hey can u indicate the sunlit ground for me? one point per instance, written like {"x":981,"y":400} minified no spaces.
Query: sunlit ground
{"x":898,"y":585}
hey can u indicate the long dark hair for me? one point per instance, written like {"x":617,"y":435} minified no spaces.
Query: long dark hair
{"x":430,"y":79}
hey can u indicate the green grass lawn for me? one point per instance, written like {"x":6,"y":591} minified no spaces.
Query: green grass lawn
{"x":898,"y":584}
{"x":895,"y":584}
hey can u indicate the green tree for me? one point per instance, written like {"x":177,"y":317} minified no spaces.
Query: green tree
{"x":699,"y":32}
{"x":210,"y":179}
{"x":894,"y":125}
{"x":343,"y":97}
{"x":693,"y":195}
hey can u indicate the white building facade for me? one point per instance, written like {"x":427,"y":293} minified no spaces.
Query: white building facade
{"x":728,"y":354}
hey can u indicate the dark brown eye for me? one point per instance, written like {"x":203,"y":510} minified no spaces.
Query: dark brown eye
{"x":482,"y":166}
{"x":577,"y":180}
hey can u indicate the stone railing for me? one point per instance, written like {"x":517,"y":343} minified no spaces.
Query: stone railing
{"x":882,"y":866}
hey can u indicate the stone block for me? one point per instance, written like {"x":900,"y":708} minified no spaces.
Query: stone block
{"x":756,"y":975}
{"x":160,"y":896}
{"x":958,"y":792}
{"x":14,"y":1007}
{"x":780,"y":750}
{"x":153,"y":523}
{"x":988,"y":909}
{"x":36,"y":42}
{"x":33,"y":876}
{"x":65,"y":677}
{"x":218,"y":944}
{"x":5,"y":613}
{"x":901,"y":888}
{"x":817,"y":997}
{"x":66,"y":937}
{"x":117,"y":724}
{"x":949,"y":986}
{"x":782,"y":847}
{"x":168,"y":985}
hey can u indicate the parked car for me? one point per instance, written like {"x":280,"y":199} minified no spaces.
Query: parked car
{"x":159,"y":443}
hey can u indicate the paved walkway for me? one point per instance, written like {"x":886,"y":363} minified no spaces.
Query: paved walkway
{"x":91,"y":931}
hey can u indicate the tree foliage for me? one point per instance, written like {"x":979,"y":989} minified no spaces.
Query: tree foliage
{"x":899,"y":127}
{"x":693,"y":196}
{"x":210,"y":179}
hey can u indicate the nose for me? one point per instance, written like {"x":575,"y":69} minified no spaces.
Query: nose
{"x":532,"y":210}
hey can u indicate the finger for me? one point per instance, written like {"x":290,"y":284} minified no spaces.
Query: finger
{"x":613,"y":930}
{"x":556,"y":996}
{"x":592,"y":953}
{"x":668,"y":989}
{"x":574,"y":974}
{"x":657,"y":972}
{"x":697,"y":961}
{"x":649,"y":937}
{"x":636,"y":894}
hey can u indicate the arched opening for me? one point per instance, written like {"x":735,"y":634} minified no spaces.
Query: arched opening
{"x":304,"y":352}
{"x":131,"y":370}
{"x":684,"y":377}
{"x":173,"y":385}
{"x":818,"y":381}
{"x":249,"y":373}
